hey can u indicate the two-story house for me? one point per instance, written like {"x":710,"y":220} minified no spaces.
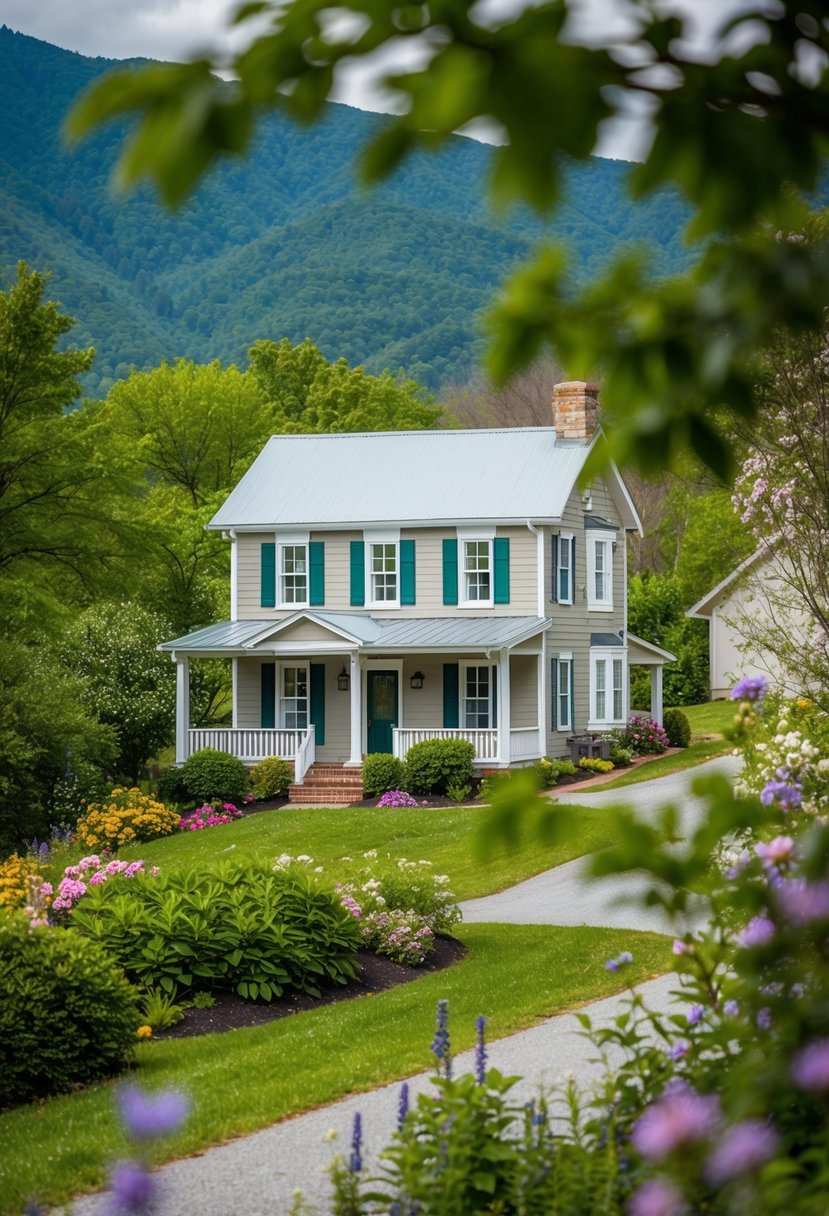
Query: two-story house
{"x":393,"y":587}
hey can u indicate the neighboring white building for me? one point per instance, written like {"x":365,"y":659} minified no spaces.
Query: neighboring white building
{"x":393,"y":587}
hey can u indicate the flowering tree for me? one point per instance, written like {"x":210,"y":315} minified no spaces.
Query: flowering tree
{"x":782,"y":496}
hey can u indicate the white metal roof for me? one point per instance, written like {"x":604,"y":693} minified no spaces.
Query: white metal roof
{"x":367,"y":632}
{"x":405,"y":477}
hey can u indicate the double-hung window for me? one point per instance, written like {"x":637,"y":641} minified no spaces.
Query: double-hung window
{"x":607,"y":687}
{"x":293,"y":574}
{"x":383,"y":572}
{"x":477,"y":572}
{"x":564,"y":569}
{"x":294,"y":697}
{"x":600,"y":571}
{"x":476,"y":696}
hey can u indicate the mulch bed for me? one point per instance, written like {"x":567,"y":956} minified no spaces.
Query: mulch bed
{"x":376,"y":975}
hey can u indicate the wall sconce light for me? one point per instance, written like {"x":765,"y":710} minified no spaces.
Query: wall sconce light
{"x":343,"y":680}
{"x":417,"y":680}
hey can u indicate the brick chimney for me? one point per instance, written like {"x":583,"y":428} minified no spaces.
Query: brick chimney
{"x":575,"y":409}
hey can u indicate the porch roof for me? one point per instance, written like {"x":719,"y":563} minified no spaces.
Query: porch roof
{"x":366,"y":633}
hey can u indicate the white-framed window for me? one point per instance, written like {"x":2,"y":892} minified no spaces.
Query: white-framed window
{"x":293,"y":574}
{"x":607,"y":687}
{"x":383,"y":573}
{"x":293,"y":699}
{"x":564,"y":692}
{"x":600,"y":571}
{"x":476,"y":696}
{"x":564,"y":571}
{"x":477,"y":572}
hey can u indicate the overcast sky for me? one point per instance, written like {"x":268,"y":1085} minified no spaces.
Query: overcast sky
{"x":179,"y":29}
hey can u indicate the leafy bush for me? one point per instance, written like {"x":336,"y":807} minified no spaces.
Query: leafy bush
{"x":595,"y":765}
{"x":621,"y":756}
{"x":67,"y":1014}
{"x":271,"y":777}
{"x":642,"y":736}
{"x":434,"y":764}
{"x":160,"y":1011}
{"x":232,"y":926}
{"x":210,"y":775}
{"x":126,"y":818}
{"x":381,"y":772}
{"x":170,"y":787}
{"x":92,"y":871}
{"x":677,"y":727}
{"x":551,"y":771}
{"x":458,"y":791}
{"x":397,"y":798}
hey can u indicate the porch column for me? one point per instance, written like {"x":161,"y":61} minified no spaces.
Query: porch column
{"x":182,"y":707}
{"x":355,"y":759}
{"x":234,"y":666}
{"x":503,"y":709}
{"x":656,"y":692}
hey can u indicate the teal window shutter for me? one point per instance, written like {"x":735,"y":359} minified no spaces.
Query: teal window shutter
{"x":501,"y":560}
{"x":407,"y":572}
{"x":316,"y":567}
{"x":451,"y":704}
{"x":317,"y":681}
{"x":267,"y":572}
{"x":267,"y":712}
{"x":358,"y":573}
{"x":450,"y":571}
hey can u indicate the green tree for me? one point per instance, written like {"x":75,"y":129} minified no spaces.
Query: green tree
{"x":656,"y":612}
{"x":739,"y":134}
{"x":310,"y":394}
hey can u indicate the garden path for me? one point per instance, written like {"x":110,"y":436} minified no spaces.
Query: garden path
{"x":256,"y":1175}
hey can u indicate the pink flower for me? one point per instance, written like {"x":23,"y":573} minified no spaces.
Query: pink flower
{"x":656,"y":1198}
{"x":810,"y":1068}
{"x":46,"y":888}
{"x":97,"y":880}
{"x":681,"y":1116}
{"x":742,"y":1150}
{"x":777,"y":850}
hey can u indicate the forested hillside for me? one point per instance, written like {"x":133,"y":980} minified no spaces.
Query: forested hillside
{"x":282,"y":244}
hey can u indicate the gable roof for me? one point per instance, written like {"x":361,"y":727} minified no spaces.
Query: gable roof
{"x":410,"y":477}
{"x":704,"y":607}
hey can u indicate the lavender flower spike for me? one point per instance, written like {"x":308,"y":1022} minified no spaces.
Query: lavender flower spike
{"x":440,"y":1043}
{"x":480,"y":1050}
{"x":151,"y":1116}
{"x":403,"y":1105}
{"x":356,"y":1162}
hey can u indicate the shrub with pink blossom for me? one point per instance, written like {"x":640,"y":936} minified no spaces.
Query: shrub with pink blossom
{"x":211,"y":815}
{"x":397,"y":798}
{"x":93,"y":871}
{"x":642,"y":736}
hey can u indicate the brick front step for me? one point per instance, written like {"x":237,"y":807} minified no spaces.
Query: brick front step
{"x":328,"y":785}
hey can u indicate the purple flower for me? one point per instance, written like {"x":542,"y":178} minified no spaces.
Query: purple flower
{"x":356,"y":1162}
{"x":681,"y":1116}
{"x":788,"y":795}
{"x":403,"y":1104}
{"x":743,"y":1149}
{"x":696,"y":1014}
{"x":731,"y":1009}
{"x":150,"y":1116}
{"x":750,"y":688}
{"x":758,"y":932}
{"x":680,"y":947}
{"x":804,"y":902}
{"x":625,"y":957}
{"x":611,"y":965}
{"x":131,"y":1188}
{"x":440,"y":1043}
{"x":480,"y":1050}
{"x":764,"y":1018}
{"x":680,"y":1049}
{"x":810,"y":1067}
{"x":655,"y":1198}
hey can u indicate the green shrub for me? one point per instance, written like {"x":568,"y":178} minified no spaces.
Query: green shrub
{"x":233,"y":926}
{"x":595,"y":765}
{"x":551,"y":771}
{"x":458,"y":792}
{"x":621,"y":756}
{"x":210,"y":775}
{"x":160,"y":1011}
{"x":677,"y":727}
{"x":67,"y":1014}
{"x":272,"y":777}
{"x":436,"y":763}
{"x":381,"y":772}
{"x":170,"y":787}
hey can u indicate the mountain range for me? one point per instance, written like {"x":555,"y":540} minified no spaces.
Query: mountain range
{"x":283,"y":243}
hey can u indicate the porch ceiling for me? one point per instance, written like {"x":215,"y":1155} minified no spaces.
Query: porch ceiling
{"x":370,"y":633}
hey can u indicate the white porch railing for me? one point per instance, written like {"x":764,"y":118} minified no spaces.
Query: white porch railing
{"x":525,"y":743}
{"x":485,"y":742}
{"x":305,"y":756}
{"x":249,"y":744}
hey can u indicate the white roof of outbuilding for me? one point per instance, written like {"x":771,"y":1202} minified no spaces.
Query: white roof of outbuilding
{"x":407,"y":477}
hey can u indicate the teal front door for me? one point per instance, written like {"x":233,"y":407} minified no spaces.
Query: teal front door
{"x":381,"y":709}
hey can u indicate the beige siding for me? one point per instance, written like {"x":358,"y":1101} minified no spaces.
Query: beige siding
{"x":248,"y":693}
{"x":573,"y":623}
{"x":428,"y":574}
{"x":337,"y":729}
{"x":307,"y":631}
{"x":423,"y":707}
{"x":523,"y":690}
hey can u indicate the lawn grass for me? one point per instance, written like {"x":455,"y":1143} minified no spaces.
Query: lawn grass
{"x":448,"y":837}
{"x":709,"y":719}
{"x":248,"y":1079}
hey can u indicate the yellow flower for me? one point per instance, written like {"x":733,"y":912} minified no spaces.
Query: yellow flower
{"x":144,"y":1032}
